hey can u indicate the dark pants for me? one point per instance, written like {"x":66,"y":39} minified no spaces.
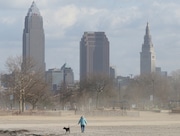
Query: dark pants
{"x":82,"y":128}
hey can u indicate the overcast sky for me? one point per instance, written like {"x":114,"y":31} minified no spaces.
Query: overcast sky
{"x":123,"y":21}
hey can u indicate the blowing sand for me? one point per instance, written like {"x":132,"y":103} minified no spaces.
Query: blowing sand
{"x":147,"y":124}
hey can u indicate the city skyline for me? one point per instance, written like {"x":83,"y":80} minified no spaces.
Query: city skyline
{"x":123,"y":21}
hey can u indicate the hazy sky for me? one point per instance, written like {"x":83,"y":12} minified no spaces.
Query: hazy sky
{"x":123,"y":21}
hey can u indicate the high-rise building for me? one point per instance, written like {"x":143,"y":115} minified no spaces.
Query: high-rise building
{"x":147,"y":55}
{"x":112,"y":73}
{"x":160,"y":72}
{"x":94,"y":55}
{"x":34,"y":39}
{"x":58,"y":78}
{"x":54,"y":77}
{"x":68,"y":75}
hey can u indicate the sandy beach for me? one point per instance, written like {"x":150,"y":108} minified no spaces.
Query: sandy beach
{"x":146,"y":124}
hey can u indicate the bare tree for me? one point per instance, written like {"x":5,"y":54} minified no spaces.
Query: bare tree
{"x":97,"y":87}
{"x":26,"y":85}
{"x":174,"y":93}
{"x":149,"y":90}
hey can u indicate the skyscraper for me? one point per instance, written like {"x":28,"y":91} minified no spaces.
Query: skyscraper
{"x":147,"y":56}
{"x":94,"y":55}
{"x":34,"y":39}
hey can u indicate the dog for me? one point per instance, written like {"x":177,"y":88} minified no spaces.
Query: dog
{"x":67,"y":129}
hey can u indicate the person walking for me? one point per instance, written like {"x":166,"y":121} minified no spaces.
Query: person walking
{"x":83,"y":123}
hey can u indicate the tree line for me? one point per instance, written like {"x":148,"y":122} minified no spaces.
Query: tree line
{"x":22,"y":89}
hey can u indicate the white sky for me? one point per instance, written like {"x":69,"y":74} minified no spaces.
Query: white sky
{"x":123,"y":21}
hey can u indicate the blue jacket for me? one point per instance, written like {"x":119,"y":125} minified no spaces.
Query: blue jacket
{"x":82,"y":121}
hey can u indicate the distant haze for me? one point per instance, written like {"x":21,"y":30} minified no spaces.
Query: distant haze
{"x":123,"y":21}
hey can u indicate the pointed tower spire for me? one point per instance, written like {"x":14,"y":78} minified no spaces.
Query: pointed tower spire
{"x":147,"y":38}
{"x":33,"y":10}
{"x":147,"y":29}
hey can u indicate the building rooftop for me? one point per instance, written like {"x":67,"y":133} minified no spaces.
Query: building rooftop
{"x":33,"y":10}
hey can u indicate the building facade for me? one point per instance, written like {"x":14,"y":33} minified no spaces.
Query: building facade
{"x":160,"y":72}
{"x":94,"y":55}
{"x":34,"y":39}
{"x":112,"y":73}
{"x":58,"y":78}
{"x":54,"y":77}
{"x":147,"y":55}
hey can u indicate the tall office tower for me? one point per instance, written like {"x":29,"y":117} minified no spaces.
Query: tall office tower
{"x":94,"y":55}
{"x":34,"y":39}
{"x":147,"y":56}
